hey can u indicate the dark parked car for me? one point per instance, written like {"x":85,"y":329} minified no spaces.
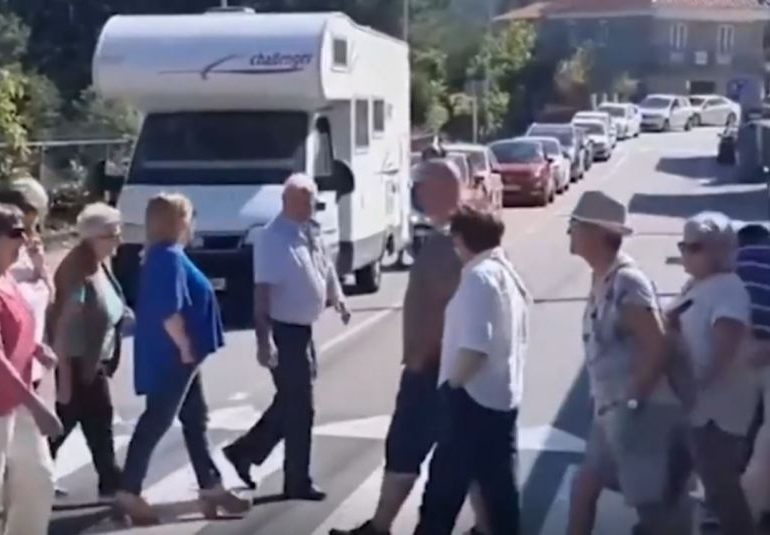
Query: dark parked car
{"x":567,"y":136}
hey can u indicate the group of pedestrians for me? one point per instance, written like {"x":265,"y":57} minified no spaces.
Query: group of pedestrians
{"x":676,"y":390}
{"x":61,"y":340}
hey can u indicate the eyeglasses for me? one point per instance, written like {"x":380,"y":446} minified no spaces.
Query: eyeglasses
{"x":690,"y":247}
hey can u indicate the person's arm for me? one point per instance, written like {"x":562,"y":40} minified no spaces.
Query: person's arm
{"x":642,"y":318}
{"x":475,"y":333}
{"x":268,"y":272}
{"x":169,"y":296}
{"x":730,"y":323}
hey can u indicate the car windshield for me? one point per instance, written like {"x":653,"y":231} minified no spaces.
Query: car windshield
{"x":697,"y":101}
{"x":564,"y":135}
{"x":592,"y":128}
{"x":220,"y":147}
{"x":477,"y":160}
{"x":614,"y":111}
{"x":656,"y":102}
{"x":517,"y":151}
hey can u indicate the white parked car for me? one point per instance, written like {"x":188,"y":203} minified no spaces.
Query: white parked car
{"x":666,"y":112}
{"x":714,"y":110}
{"x":560,"y":163}
{"x":596,"y":131}
{"x":626,"y":116}
{"x":602,"y":116}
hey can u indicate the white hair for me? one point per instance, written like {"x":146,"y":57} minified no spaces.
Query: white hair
{"x":717,"y":232}
{"x":34,"y":193}
{"x":302,"y":182}
{"x":96,"y":219}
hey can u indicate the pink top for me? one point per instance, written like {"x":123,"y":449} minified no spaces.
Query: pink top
{"x":17,"y":341}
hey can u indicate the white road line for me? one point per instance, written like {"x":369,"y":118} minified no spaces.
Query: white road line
{"x":74,"y":453}
{"x":357,"y":328}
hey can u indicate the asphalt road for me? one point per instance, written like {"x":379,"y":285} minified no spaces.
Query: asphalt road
{"x":663,"y":178}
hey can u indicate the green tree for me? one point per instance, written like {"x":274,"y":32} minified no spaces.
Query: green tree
{"x":495,"y":70}
{"x":98,"y":117}
{"x":13,"y":134}
{"x":573,"y":76}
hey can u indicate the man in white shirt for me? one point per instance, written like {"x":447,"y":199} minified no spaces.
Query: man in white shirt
{"x":481,"y":379}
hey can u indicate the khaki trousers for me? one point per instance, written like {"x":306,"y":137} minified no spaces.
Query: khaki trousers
{"x":27,"y":486}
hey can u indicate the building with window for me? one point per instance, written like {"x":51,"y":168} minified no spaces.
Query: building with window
{"x":677,"y":46}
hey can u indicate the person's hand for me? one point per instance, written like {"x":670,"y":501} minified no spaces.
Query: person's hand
{"x":46,"y":420}
{"x":267,"y":356}
{"x":186,"y":356}
{"x":342,"y":310}
{"x":36,"y":254}
{"x":64,"y":389}
{"x":46,"y":356}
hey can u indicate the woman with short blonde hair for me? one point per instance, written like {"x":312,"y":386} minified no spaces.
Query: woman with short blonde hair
{"x":85,"y":327}
{"x":174,"y":300}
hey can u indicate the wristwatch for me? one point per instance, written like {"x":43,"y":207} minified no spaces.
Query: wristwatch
{"x":632,"y":404}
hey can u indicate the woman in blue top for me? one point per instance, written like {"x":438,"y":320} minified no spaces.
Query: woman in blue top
{"x":177,"y":326}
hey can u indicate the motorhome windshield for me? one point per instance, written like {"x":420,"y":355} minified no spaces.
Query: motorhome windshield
{"x":220,"y":147}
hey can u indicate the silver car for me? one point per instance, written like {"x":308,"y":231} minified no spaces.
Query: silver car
{"x":666,"y":112}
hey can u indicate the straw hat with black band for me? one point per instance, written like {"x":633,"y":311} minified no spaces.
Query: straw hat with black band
{"x":599,"y":209}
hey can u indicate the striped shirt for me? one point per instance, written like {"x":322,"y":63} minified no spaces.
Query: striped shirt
{"x":753,"y":267}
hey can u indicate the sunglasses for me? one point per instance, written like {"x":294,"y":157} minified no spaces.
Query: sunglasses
{"x":15,"y":233}
{"x":690,"y":247}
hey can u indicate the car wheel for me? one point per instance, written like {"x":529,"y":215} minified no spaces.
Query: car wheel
{"x":666,"y":126}
{"x":369,"y":278}
{"x":697,"y":121}
{"x":688,"y":125}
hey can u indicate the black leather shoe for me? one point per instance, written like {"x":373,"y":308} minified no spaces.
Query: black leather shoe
{"x":242,"y":466}
{"x":364,"y":529}
{"x":308,"y":494}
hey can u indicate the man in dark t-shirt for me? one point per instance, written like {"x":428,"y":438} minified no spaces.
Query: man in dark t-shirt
{"x":433,"y":280}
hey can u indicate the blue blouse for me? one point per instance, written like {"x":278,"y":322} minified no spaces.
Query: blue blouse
{"x":169,"y":282}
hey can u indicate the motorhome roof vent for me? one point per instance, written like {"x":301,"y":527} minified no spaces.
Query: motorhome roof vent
{"x":231,"y":9}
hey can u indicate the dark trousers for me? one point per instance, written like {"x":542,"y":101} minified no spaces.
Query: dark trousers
{"x":182,"y":397}
{"x":91,"y":407}
{"x":290,"y":415}
{"x":475,"y":444}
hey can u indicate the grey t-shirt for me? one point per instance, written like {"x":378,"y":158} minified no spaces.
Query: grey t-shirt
{"x":609,"y":347}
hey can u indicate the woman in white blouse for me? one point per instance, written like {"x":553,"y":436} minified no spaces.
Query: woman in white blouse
{"x":481,"y":381}
{"x":714,"y":326}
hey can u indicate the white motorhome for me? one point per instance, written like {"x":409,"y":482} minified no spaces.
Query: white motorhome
{"x":235,"y":102}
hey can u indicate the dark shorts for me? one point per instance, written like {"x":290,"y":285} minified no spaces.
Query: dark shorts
{"x":414,"y":427}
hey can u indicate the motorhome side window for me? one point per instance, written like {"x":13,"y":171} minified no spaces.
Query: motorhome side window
{"x":322,"y":162}
{"x":378,"y":119}
{"x":340,"y":52}
{"x":362,"y":124}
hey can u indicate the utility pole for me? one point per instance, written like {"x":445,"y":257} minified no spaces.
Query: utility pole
{"x":487,"y":68}
{"x":224,"y":4}
{"x":405,"y":20}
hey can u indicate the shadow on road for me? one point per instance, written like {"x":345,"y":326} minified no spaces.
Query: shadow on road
{"x":742,"y":205}
{"x":541,"y":487}
{"x":695,"y":167}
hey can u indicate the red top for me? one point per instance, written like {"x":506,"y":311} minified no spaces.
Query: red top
{"x":17,"y":333}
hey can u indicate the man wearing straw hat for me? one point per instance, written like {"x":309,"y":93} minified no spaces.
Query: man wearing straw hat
{"x":638,"y":419}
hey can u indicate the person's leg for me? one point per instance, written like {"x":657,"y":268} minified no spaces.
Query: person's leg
{"x":294,"y":375}
{"x":160,"y":410}
{"x":29,"y":479}
{"x":718,"y":457}
{"x":258,"y":442}
{"x":494,"y":441}
{"x":591,"y":478}
{"x":193,"y":414}
{"x":411,"y":436}
{"x":96,"y":415}
{"x":451,"y":469}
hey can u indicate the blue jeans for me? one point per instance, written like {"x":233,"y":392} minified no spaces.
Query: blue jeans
{"x":182,"y":397}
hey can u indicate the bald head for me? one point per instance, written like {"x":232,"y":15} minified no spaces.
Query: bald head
{"x":438,"y":184}
{"x":299,"y":192}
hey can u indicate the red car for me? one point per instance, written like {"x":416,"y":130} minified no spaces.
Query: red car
{"x":526,"y":171}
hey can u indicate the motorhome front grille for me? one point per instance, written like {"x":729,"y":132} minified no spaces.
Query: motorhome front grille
{"x":221,"y":242}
